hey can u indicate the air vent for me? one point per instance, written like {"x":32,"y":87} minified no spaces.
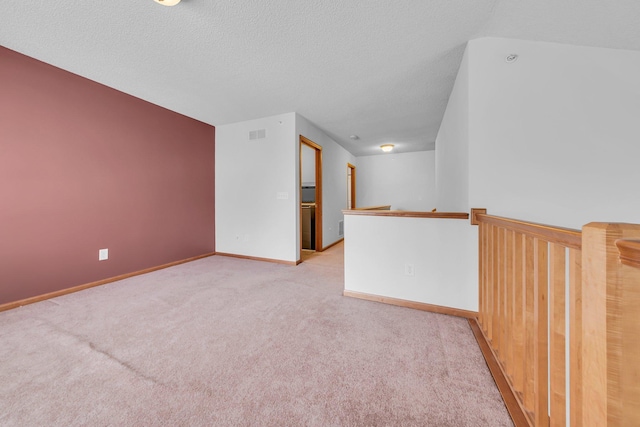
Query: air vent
{"x":257,"y":134}
{"x":341,"y":228}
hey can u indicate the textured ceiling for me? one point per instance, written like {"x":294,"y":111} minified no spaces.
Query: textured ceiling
{"x":380,"y":69}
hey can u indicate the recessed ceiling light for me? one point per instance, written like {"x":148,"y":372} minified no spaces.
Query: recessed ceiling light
{"x":167,"y":2}
{"x":387,"y":147}
{"x":354,"y":137}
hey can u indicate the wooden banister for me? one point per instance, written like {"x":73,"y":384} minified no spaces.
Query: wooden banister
{"x":524,"y":268}
{"x":409,"y":214}
{"x":374,"y":208}
{"x":629,"y":251}
{"x":564,"y":236}
{"x":536,"y":282}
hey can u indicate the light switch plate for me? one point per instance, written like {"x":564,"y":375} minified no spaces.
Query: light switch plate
{"x":103,"y":254}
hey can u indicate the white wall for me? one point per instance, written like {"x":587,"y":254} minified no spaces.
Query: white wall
{"x":334,"y":177}
{"x":406,"y":181}
{"x":555,"y":136}
{"x":551,"y":138}
{"x":250,"y":218}
{"x":452,"y":147}
{"x":436,"y":248}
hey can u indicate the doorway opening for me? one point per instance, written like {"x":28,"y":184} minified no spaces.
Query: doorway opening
{"x":351,"y":186}
{"x":310,"y":197}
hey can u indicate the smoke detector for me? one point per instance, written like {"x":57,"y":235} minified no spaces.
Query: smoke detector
{"x":511,"y":58}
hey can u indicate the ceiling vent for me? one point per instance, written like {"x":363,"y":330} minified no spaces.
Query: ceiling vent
{"x":257,"y":134}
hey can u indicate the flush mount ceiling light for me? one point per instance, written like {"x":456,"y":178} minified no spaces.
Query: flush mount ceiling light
{"x":354,"y":137}
{"x":167,"y":2}
{"x":511,"y":58}
{"x":387,"y":147}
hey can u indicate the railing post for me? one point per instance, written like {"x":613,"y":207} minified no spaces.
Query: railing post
{"x":611,"y":328}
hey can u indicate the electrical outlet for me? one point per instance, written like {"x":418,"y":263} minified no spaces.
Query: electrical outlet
{"x":103,"y":254}
{"x":409,"y":270}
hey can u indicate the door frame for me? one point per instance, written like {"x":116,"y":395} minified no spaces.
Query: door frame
{"x":351,"y":168}
{"x":318,"y":162}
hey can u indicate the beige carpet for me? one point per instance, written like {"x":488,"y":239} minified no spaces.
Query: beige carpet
{"x":231,"y":342}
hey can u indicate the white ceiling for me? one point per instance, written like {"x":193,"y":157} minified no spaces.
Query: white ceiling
{"x":380,"y":69}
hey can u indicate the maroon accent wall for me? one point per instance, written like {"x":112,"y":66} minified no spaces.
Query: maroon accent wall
{"x":85,"y":167}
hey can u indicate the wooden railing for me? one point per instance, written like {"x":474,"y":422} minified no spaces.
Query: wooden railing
{"x":545,"y":291}
{"x":374,"y":208}
{"x":407,"y":214}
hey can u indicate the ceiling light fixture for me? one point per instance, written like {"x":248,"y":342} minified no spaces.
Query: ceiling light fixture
{"x":167,"y":2}
{"x":387,"y":147}
{"x":354,"y":137}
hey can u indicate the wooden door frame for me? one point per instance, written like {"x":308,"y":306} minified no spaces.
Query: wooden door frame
{"x":353,"y":185}
{"x":318,"y":228}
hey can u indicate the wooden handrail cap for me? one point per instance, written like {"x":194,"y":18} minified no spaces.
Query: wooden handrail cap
{"x":565,"y":236}
{"x":629,"y":251}
{"x":408,"y":214}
